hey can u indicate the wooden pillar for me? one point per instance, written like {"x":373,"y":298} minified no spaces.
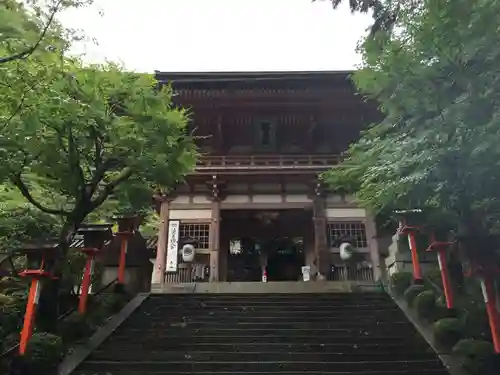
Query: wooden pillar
{"x":322,"y":253}
{"x":215,"y":197}
{"x":161,"y":247}
{"x":371,"y":233}
{"x":215,"y":241}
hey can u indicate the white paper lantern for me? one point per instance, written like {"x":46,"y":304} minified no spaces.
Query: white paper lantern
{"x":188,"y":252}
{"x":347,"y":251}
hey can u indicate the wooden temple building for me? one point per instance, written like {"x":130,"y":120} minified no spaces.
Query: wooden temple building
{"x":254,"y":204}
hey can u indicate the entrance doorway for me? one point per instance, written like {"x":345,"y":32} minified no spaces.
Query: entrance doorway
{"x":257,"y":240}
{"x":285,"y":259}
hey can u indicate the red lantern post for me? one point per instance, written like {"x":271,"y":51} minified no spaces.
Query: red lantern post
{"x":94,"y":238}
{"x":40,"y":259}
{"x":127,"y":225}
{"x":486,"y":275}
{"x":409,"y":228}
{"x":440,"y":247}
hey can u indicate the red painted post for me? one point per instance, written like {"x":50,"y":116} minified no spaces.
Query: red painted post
{"x":408,"y":220}
{"x":491,"y":309}
{"x":417,"y":271}
{"x":29,"y":316}
{"x":440,"y":248}
{"x":94,"y":238}
{"x":40,"y":261}
{"x":445,"y":277}
{"x":127,"y":225}
{"x":85,"y":286}
{"x":123,"y":257}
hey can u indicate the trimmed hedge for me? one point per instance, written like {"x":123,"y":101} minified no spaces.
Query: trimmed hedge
{"x":448,"y":331}
{"x":425,"y":304}
{"x":43,"y":353}
{"x":412,"y":292}
{"x":75,"y":327}
{"x":477,"y":356}
{"x":400,"y":282}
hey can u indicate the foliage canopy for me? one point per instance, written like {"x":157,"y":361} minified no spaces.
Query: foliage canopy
{"x":81,"y":134}
{"x":436,"y":79}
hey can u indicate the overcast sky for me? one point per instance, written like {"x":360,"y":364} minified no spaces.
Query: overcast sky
{"x":220,"y":35}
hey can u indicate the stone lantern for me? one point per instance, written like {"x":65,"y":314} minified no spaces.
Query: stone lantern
{"x":409,"y":225}
{"x":483,"y":264}
{"x":94,"y":238}
{"x":127,"y":225}
{"x":40,"y":262}
{"x":440,"y":245}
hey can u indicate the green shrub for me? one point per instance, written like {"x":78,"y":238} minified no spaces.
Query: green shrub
{"x":475,"y":318}
{"x":412,"y":292}
{"x":75,"y":327}
{"x":441,"y":311}
{"x":10,"y":315}
{"x":434,"y":275}
{"x":476,"y":356}
{"x":6,"y":300}
{"x":44,"y":351}
{"x":400,"y":282}
{"x":425,"y":304}
{"x":112,"y":303}
{"x":448,"y":331}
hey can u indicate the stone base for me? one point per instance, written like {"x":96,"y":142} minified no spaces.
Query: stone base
{"x":263,"y":288}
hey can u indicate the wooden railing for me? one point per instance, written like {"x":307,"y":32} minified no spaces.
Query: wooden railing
{"x":267,"y":161}
{"x":188,"y":274}
{"x":351,"y":273}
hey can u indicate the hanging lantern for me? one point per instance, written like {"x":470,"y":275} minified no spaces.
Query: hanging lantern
{"x":347,"y":251}
{"x":235,"y":247}
{"x":188,"y":252}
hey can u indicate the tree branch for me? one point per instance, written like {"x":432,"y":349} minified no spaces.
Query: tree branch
{"x":109,"y":188}
{"x":19,"y":183}
{"x":27,"y":52}
{"x":74,"y":160}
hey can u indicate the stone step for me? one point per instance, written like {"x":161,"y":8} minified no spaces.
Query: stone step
{"x":280,"y":334}
{"x":270,"y":297}
{"x":324,"y":339}
{"x":114,"y":354}
{"x":273,"y":287}
{"x":372,"y":331}
{"x":277,"y":323}
{"x":259,"y":366}
{"x":284,"y":313}
{"x":124,"y":371}
{"x":264,"y":306}
{"x":281,"y":347}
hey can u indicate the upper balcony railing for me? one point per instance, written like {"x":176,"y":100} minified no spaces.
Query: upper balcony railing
{"x":267,"y":162}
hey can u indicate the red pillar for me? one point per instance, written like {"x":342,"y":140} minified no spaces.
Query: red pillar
{"x":445,"y":277}
{"x":29,"y":316}
{"x":87,"y":279}
{"x":491,"y":308}
{"x":412,"y":242}
{"x":441,"y":247}
{"x":123,"y":256}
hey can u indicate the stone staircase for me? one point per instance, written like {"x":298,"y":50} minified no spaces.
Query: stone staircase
{"x":335,"y":333}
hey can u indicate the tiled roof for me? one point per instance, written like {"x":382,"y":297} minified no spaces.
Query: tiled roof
{"x":151,"y":243}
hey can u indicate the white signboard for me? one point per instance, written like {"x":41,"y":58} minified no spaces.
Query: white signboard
{"x":306,"y":273}
{"x":172,"y":245}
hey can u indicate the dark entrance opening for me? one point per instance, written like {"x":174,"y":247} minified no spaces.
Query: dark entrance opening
{"x":285,"y":259}
{"x":258,"y":239}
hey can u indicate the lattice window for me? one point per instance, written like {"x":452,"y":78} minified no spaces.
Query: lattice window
{"x":355,"y":230}
{"x":198,"y":231}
